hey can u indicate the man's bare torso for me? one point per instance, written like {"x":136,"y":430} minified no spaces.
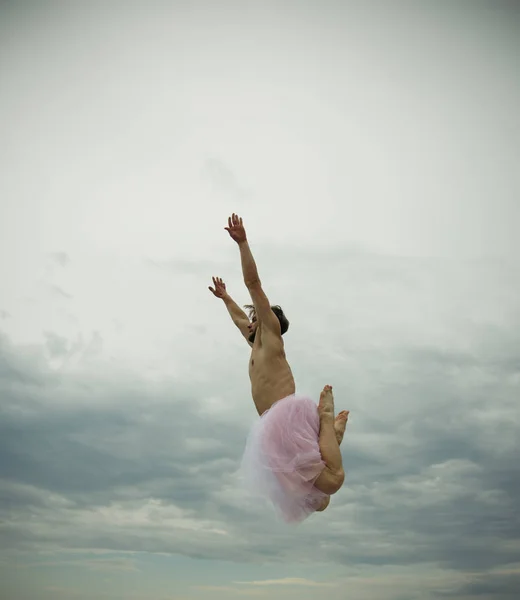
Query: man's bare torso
{"x":270,"y":374}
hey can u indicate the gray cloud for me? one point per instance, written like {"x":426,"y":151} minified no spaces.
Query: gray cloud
{"x":58,"y":291}
{"x":60,"y":347}
{"x":432,"y":474}
{"x":222,"y":179}
{"x":489,"y":585}
{"x":60,"y":258}
{"x":57,"y":345}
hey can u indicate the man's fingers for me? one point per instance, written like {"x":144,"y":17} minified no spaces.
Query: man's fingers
{"x":234,"y":221}
{"x":218,"y":283}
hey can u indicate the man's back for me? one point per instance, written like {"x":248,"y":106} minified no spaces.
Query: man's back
{"x":270,"y":374}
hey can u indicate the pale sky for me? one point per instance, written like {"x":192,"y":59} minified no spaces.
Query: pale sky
{"x":372,"y":149}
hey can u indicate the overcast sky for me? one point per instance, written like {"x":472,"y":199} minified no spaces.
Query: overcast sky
{"x":373,"y":150}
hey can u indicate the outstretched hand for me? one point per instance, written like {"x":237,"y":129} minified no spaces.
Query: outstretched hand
{"x":220,"y":288}
{"x":236,"y":229}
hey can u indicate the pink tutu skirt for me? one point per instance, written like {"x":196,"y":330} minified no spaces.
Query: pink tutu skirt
{"x":282,"y":458}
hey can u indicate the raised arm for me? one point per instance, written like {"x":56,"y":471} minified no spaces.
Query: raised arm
{"x":264,"y":313}
{"x":237,"y":232}
{"x":238,"y":316}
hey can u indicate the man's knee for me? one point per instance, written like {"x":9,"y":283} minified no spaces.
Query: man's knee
{"x":330,"y":481}
{"x":335,"y":480}
{"x":338,"y":480}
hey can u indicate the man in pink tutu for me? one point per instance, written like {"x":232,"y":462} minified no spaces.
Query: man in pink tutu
{"x":292,"y":453}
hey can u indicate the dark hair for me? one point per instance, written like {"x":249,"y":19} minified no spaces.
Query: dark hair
{"x":284,"y":323}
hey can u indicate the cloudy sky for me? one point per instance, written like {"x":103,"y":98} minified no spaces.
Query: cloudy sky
{"x":372,"y":149}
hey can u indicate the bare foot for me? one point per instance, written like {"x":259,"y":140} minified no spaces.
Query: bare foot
{"x":339,"y":425}
{"x":326,"y":405}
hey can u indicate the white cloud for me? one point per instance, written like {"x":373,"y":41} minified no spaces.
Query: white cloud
{"x":286,"y":581}
{"x":371,"y":151}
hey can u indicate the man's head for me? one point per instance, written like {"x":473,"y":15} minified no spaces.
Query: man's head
{"x":253,"y":326}
{"x":284,"y":323}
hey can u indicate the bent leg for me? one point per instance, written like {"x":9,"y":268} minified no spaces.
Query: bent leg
{"x":331,"y":478}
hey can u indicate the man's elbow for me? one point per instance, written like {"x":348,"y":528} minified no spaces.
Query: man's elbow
{"x":253,"y":283}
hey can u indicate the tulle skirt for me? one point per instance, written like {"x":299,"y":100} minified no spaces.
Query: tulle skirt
{"x":282,"y":457}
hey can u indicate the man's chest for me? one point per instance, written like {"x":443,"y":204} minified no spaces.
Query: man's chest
{"x":264,"y":358}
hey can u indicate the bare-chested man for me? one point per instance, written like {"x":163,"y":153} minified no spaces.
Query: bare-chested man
{"x":297,"y":443}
